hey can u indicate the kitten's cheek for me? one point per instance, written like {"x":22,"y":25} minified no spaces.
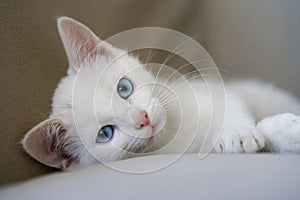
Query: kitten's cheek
{"x":156,"y":129}
{"x":159,"y":118}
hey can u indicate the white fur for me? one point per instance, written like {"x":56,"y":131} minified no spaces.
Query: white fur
{"x":282,"y":132}
{"x":180,"y":111}
{"x":245,"y":101}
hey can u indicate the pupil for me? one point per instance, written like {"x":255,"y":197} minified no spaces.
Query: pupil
{"x":122,"y":88}
{"x":106,"y":132}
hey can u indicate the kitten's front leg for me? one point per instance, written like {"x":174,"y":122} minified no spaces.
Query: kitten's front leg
{"x":239,"y":134}
{"x":282,"y":132}
{"x":240,"y":140}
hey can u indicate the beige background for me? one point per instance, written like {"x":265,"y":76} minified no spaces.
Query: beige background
{"x":257,"y":38}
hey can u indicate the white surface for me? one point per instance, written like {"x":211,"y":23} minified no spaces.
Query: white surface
{"x":260,"y":176}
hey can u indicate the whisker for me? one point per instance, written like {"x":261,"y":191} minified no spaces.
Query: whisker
{"x":149,"y":56}
{"x":169,"y":105}
{"x":182,"y":67}
{"x":167,"y":102}
{"x":169,"y":57}
{"x":166,"y":98}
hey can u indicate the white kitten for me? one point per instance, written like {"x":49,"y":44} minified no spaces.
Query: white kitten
{"x":110,"y":107}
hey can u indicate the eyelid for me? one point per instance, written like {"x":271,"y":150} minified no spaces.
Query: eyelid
{"x":108,"y":124}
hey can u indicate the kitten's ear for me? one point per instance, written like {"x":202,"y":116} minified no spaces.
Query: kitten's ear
{"x":46,"y":142}
{"x":79,"y":41}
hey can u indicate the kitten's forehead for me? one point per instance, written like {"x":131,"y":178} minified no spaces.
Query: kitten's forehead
{"x":126,"y":66}
{"x":96,"y":88}
{"x":109,"y":106}
{"x":121,"y":64}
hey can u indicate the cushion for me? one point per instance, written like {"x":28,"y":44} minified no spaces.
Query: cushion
{"x":245,"y":38}
{"x":262,"y":176}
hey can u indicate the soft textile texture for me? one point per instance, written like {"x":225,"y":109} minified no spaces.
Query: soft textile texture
{"x":253,"y":177}
{"x":243,"y":37}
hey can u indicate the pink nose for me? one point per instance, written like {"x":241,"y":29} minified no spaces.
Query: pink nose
{"x":140,"y":118}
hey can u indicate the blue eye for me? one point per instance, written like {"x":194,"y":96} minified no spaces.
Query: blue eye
{"x":125,"y":88}
{"x":105,"y":134}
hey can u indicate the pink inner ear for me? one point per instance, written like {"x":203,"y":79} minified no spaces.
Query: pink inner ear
{"x":78,"y":40}
{"x":44,"y":143}
{"x":48,"y":142}
{"x":81,"y":37}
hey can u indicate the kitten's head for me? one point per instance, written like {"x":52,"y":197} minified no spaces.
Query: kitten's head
{"x":104,"y":110}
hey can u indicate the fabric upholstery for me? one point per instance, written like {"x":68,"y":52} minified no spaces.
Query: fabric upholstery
{"x":244,"y":38}
{"x":215,"y":177}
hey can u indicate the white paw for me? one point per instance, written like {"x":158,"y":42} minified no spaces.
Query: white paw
{"x":247,"y":140}
{"x":282,"y":132}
